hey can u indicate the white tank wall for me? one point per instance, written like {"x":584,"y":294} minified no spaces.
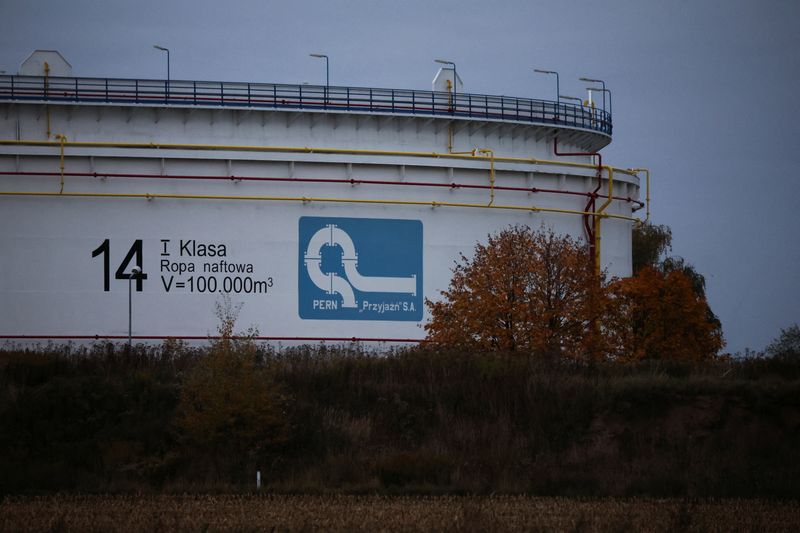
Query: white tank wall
{"x":280,"y":128}
{"x":51,"y":284}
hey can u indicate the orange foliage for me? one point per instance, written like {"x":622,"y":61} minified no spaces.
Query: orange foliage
{"x":654,"y":315}
{"x":535,"y":292}
{"x":523,"y":290}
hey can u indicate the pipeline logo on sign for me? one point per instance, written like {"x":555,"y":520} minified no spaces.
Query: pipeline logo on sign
{"x":360,"y":269}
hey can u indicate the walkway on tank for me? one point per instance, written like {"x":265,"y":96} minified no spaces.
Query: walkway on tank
{"x":63,"y":90}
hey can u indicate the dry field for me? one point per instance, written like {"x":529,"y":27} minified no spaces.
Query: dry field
{"x":380,"y":513}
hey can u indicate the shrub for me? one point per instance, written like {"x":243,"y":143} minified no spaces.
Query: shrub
{"x":522,"y":291}
{"x":231,"y":409}
{"x":654,"y":315}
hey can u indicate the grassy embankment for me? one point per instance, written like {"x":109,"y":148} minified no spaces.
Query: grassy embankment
{"x":408,"y":422}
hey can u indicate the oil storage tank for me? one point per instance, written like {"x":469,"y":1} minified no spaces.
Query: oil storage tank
{"x":327,"y":212}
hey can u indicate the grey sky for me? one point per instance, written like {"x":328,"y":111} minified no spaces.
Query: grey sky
{"x":706,"y":94}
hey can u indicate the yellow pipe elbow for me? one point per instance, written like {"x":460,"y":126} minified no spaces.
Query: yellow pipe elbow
{"x":610,"y":171}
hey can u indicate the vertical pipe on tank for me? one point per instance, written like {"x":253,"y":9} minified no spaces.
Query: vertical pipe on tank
{"x":590,"y":230}
{"x":46,"y":95}
{"x":647,"y":203}
{"x":490,"y":153}
{"x":599,"y":215}
{"x":62,"y":140}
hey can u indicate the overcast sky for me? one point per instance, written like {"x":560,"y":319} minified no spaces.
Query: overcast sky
{"x":705,"y":93}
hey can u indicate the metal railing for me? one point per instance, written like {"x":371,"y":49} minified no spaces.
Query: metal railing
{"x":312,"y":97}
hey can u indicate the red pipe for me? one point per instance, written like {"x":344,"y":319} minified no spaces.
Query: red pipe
{"x":212,"y":337}
{"x":591,"y":204}
{"x":319,"y":180}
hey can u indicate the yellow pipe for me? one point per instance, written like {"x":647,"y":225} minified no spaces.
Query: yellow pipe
{"x":610,"y":171}
{"x":62,"y":140}
{"x":450,"y":138}
{"x":450,"y":124}
{"x":306,"y":199}
{"x":599,"y":215}
{"x":46,"y":89}
{"x":647,"y":203}
{"x":450,"y":95}
{"x":491,"y":173}
{"x":305,"y":149}
{"x":459,"y":155}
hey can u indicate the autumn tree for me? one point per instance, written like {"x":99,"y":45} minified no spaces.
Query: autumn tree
{"x":697,"y":280}
{"x":524,"y":290}
{"x":659,"y":315}
{"x":648,"y":243}
{"x":536,"y":292}
{"x":230,"y":407}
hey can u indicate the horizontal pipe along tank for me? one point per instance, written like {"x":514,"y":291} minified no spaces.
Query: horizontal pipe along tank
{"x":328,"y":213}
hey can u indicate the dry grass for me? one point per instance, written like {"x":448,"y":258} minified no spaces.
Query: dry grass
{"x":380,"y":513}
{"x":414,"y":422}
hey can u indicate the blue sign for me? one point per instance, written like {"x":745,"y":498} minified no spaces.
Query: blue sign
{"x":360,"y":269}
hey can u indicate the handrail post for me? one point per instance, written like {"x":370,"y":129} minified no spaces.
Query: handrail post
{"x":248,"y":96}
{"x":106,"y":90}
{"x":76,"y":88}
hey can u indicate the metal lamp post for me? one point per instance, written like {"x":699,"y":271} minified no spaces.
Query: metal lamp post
{"x":455,"y":77}
{"x":604,"y":90}
{"x":575,"y":98}
{"x":327,"y":73}
{"x":167,"y":51}
{"x":135,"y":272}
{"x":327,"y":67}
{"x":558,"y":90}
{"x":590,"y":80}
{"x":157,"y":47}
{"x":565,"y":97}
